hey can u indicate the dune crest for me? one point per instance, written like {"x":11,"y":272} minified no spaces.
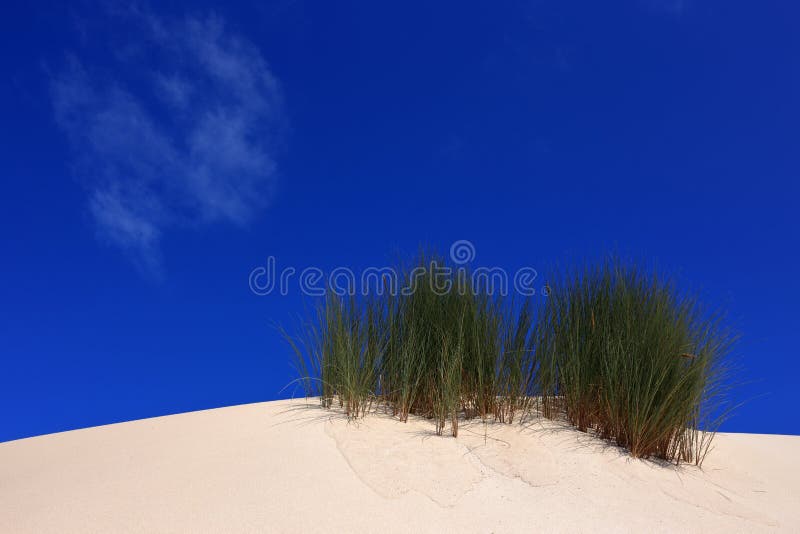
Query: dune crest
{"x":290,"y":466}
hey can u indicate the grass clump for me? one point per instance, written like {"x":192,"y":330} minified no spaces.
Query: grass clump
{"x":612,"y":350}
{"x":622,"y":354}
{"x":338,"y":355}
{"x":442,"y":349}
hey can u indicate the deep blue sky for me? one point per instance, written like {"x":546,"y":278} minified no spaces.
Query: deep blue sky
{"x":152,"y":156}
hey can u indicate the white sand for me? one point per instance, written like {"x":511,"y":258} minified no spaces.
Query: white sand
{"x":285,"y":467}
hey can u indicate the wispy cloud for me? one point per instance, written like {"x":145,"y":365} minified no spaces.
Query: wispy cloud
{"x":178,"y":132}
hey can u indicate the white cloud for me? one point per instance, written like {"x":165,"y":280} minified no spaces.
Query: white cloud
{"x":180,"y":135}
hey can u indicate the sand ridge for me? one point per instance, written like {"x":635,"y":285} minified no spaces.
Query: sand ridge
{"x":291,"y":466}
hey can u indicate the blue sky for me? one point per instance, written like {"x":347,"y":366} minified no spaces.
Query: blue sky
{"x":153,"y":155}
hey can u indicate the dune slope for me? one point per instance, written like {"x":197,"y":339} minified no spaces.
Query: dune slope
{"x":289,"y":466}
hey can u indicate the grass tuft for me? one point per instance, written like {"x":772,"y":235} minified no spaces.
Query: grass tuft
{"x":624,"y":355}
{"x":612,"y":349}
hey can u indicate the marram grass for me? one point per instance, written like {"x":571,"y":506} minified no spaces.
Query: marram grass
{"x":623,"y":354}
{"x":613,"y":350}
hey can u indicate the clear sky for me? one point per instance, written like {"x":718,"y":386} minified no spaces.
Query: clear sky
{"x":153,"y":155}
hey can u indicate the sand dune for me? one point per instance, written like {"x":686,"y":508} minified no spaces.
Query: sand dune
{"x":289,"y":467}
